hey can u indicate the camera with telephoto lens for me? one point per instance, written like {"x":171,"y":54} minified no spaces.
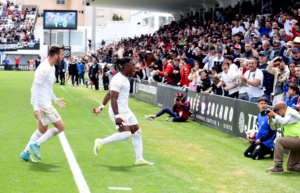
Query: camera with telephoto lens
{"x":267,"y":111}
{"x":177,"y":99}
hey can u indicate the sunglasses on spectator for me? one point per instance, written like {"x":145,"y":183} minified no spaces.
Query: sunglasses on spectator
{"x":261,"y":55}
{"x":277,"y":64}
{"x":276,"y":46}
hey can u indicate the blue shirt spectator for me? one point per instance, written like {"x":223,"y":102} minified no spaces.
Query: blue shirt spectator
{"x":80,"y":67}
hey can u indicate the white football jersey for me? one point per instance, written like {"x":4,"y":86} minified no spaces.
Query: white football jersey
{"x":120,"y":84}
{"x":45,"y":76}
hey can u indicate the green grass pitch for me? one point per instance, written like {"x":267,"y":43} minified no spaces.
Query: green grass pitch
{"x":188,"y":157}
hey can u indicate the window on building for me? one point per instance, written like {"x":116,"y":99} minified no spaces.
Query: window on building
{"x":60,"y":2}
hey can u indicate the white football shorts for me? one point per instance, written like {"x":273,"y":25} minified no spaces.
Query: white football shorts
{"x":128,"y":118}
{"x":49,"y":116}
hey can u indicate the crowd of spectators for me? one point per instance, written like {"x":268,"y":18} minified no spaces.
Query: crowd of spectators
{"x":16,"y":22}
{"x":243,"y":56}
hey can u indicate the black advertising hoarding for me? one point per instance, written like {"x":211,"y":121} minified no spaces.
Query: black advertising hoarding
{"x":13,"y":46}
{"x":166,"y":95}
{"x":145,"y":92}
{"x":214,"y":111}
{"x":231,"y":116}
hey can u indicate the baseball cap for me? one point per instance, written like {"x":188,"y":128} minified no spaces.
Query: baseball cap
{"x":255,"y":36}
{"x":295,"y":50}
{"x":179,"y":94}
{"x":263,"y":53}
{"x":252,"y":34}
{"x":237,"y":46}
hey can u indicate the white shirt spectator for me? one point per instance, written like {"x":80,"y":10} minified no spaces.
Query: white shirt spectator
{"x":255,"y":91}
{"x":288,"y":26}
{"x":237,"y":30}
{"x":230,"y":79}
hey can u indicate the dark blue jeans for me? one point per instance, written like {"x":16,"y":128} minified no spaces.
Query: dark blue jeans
{"x":171,"y":113}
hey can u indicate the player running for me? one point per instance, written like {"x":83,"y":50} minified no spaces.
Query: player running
{"x":41,"y":95}
{"x":120,"y":113}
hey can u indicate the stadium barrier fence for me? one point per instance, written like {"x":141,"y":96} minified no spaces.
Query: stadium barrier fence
{"x":232,"y":116}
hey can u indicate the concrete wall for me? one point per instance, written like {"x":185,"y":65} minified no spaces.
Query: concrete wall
{"x":119,"y":29}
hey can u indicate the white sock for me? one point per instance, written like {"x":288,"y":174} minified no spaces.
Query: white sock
{"x":138,"y":145}
{"x":116,"y":137}
{"x":48,"y":135}
{"x":35,"y":136}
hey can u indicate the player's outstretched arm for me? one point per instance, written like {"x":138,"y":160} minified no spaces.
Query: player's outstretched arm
{"x":58,"y":101}
{"x":105,"y":101}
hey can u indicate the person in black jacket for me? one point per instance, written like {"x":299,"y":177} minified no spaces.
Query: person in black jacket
{"x":268,"y":78}
{"x":214,"y":89}
{"x":62,"y":70}
{"x":56,"y":72}
{"x":74,"y":72}
{"x":95,"y":68}
{"x":105,"y":78}
{"x":203,"y":84}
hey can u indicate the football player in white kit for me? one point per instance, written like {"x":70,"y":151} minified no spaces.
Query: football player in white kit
{"x":120,"y":113}
{"x":41,"y":95}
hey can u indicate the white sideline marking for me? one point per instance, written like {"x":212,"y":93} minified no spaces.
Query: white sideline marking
{"x":113,"y":188}
{"x":62,"y":87}
{"x":79,"y":179}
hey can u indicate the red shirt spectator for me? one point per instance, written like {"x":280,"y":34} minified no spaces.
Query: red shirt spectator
{"x":8,"y":11}
{"x":184,"y":74}
{"x":17,"y":59}
{"x":167,"y":71}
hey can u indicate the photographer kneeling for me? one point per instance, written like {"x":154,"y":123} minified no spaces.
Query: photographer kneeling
{"x":262,"y":145}
{"x":289,"y":119}
{"x":180,"y":113}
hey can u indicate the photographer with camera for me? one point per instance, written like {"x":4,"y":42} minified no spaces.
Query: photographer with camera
{"x":180,"y":113}
{"x":262,"y":145}
{"x":289,"y":119}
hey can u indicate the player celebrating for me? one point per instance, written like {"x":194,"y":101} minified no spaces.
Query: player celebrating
{"x":41,"y":95}
{"x":120,"y":113}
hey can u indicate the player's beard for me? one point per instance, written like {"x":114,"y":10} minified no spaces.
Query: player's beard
{"x":58,"y":60}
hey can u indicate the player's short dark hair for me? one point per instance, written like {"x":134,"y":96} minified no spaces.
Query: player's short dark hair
{"x":55,"y":49}
{"x":119,"y":63}
{"x":262,"y":99}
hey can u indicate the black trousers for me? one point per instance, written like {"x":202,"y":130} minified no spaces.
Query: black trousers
{"x":258,"y":151}
{"x":96,"y":82}
{"x":234,"y":95}
{"x":62,"y":78}
{"x":74,"y":76}
{"x":5,"y":67}
{"x":56,"y":75}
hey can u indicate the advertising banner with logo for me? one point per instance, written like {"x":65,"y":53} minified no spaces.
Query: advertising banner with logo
{"x":13,"y":46}
{"x":145,"y":92}
{"x":214,"y":111}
